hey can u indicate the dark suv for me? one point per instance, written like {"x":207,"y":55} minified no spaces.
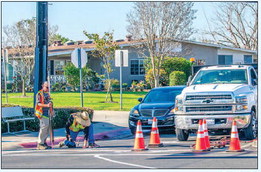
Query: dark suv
{"x":159,"y":103}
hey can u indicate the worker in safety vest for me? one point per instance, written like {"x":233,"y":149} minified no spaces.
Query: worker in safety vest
{"x":77,"y":122}
{"x":42,"y":107}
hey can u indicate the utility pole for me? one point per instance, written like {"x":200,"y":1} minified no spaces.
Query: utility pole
{"x":5,"y":70}
{"x":121,"y":64}
{"x":41,"y":49}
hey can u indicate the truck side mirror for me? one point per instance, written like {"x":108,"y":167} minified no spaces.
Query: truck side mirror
{"x":140,"y":99}
{"x":254,"y":82}
{"x":189,"y":80}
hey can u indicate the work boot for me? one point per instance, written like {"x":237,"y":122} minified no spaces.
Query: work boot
{"x":41,"y":147}
{"x":93,"y":145}
{"x":61,"y":144}
{"x":48,"y":147}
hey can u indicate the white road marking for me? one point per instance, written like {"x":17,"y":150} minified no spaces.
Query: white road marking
{"x":124,"y":163}
{"x":86,"y":151}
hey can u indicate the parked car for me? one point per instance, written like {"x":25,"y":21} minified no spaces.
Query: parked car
{"x":159,"y":103}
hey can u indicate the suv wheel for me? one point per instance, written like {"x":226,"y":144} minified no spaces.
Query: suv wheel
{"x":251,"y":131}
{"x":182,"y":135}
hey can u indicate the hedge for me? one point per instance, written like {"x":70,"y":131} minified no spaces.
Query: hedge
{"x":177,"y":78}
{"x":61,"y":117}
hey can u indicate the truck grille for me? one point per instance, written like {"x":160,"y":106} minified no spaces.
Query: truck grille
{"x":209,"y":109}
{"x":203,"y":97}
{"x":153,"y":112}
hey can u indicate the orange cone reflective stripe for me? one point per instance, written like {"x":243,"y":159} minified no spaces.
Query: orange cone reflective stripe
{"x":154,"y":136}
{"x":200,"y":141}
{"x":205,"y":127}
{"x":139,"y":140}
{"x":234,"y":139}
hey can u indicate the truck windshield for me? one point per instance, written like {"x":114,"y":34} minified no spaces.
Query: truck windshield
{"x":224,"y":76}
{"x":161,"y":96}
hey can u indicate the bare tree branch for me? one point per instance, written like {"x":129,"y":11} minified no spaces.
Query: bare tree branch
{"x":159,"y":23}
{"x":236,"y":24}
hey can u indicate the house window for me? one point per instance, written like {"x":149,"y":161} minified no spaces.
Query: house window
{"x":58,"y":67}
{"x":137,"y":67}
{"x":248,"y":59}
{"x":225,"y":59}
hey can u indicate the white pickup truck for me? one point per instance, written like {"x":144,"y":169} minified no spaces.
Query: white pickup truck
{"x":220,"y":94}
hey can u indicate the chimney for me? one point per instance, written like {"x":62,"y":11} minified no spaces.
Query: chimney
{"x":79,"y":42}
{"x":57,"y":43}
{"x":128,"y":38}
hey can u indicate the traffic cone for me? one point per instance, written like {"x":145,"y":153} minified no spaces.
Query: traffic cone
{"x":154,"y":135}
{"x":200,"y":141}
{"x":205,"y":127}
{"x":234,"y":139}
{"x":139,"y":140}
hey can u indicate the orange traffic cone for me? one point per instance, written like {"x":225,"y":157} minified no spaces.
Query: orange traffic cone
{"x":205,"y":127}
{"x":139,"y":140}
{"x":154,"y":135}
{"x":234,"y":139}
{"x":200,"y":141}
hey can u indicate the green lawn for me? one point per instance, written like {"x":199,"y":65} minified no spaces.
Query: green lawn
{"x":92,"y":100}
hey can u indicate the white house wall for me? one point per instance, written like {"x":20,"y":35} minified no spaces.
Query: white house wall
{"x":238,"y":56}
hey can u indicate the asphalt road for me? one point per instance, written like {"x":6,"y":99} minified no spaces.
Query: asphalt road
{"x":117,"y":154}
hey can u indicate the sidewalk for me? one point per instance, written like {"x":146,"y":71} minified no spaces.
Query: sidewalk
{"x":107,"y":124}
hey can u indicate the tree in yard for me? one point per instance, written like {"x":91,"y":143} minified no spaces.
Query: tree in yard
{"x":58,"y":37}
{"x":160,"y":24}
{"x":20,"y":38}
{"x":104,"y":49}
{"x":236,"y":24}
{"x":72,"y":74}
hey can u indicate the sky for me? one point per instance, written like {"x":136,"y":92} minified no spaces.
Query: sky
{"x":94,"y":17}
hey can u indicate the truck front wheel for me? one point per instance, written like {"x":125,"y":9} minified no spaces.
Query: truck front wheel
{"x":182,"y":135}
{"x":251,"y":131}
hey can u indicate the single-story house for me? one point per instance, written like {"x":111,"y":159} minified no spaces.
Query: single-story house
{"x":204,"y":53}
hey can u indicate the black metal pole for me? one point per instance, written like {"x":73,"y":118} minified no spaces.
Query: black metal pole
{"x":80,"y":66}
{"x":41,"y":49}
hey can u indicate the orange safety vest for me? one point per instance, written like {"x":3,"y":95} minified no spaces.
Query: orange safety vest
{"x":39,"y":110}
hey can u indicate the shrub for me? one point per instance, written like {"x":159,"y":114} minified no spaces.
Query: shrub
{"x":150,"y":78}
{"x":114,"y":83}
{"x":177,"y":78}
{"x":177,"y":64}
{"x":59,"y":121}
{"x":72,"y":75}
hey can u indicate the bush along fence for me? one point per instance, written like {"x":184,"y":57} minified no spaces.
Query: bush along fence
{"x":59,"y":121}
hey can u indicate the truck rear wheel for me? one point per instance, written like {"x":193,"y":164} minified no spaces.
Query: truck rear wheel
{"x":182,"y":135}
{"x":251,"y":131}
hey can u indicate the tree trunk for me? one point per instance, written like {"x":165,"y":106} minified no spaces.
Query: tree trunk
{"x":23,"y":88}
{"x":109,"y":89}
{"x":156,"y":80}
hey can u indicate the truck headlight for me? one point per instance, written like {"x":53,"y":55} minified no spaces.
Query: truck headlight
{"x":178,"y":101}
{"x":241,"y":107}
{"x":178,"y":104}
{"x":241,"y":99}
